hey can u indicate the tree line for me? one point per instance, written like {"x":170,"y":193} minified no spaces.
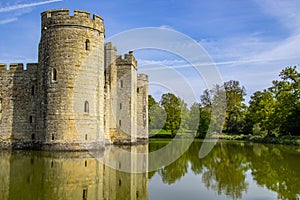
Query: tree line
{"x":271,"y":112}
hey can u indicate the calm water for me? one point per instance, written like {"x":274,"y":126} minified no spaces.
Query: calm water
{"x":232,"y":170}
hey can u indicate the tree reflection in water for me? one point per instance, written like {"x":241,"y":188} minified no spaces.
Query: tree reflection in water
{"x":224,"y":169}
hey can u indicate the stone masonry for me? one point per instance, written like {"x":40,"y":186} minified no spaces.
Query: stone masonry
{"x":80,"y":94}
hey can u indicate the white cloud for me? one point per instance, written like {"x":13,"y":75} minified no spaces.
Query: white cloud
{"x":287,"y":12}
{"x":6,"y":21}
{"x":166,"y":27}
{"x":20,"y":6}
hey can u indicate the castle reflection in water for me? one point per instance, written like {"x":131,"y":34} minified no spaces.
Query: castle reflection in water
{"x":70,"y":175}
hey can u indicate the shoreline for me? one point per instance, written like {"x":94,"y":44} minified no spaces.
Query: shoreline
{"x":75,"y":146}
{"x":281,"y":140}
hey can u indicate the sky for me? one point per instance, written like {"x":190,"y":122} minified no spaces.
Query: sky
{"x":250,"y":41}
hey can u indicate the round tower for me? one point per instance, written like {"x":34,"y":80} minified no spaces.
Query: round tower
{"x":70,"y":78}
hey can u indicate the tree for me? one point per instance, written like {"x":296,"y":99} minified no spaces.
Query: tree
{"x":194,"y":116}
{"x":235,"y":110}
{"x":171,"y":105}
{"x":206,"y":98}
{"x":212,"y":113}
{"x":287,"y":94}
{"x":185,"y":115}
{"x":157,"y":115}
{"x":205,"y":118}
{"x":261,"y":108}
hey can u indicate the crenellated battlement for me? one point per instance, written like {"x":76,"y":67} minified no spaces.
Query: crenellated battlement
{"x":128,"y":59}
{"x":18,"y":67}
{"x":62,"y":17}
{"x":143,"y":77}
{"x":66,"y":100}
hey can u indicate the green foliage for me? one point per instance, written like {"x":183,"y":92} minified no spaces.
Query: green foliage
{"x":157,"y":117}
{"x":235,"y":110}
{"x":156,"y":114}
{"x":261,"y":108}
{"x":270,"y":112}
{"x":287,"y":95}
{"x":185,"y":116}
{"x":205,"y":116}
{"x":194,"y":116}
{"x":172,"y":107}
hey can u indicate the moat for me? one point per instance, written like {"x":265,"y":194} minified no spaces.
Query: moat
{"x":232,"y":170}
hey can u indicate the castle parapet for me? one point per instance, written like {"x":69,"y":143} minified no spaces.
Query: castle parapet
{"x":62,"y":17}
{"x":18,"y":68}
{"x":143,"y":77}
{"x":128,"y":59}
{"x":3,"y":67}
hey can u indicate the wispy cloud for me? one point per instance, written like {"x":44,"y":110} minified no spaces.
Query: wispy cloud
{"x":21,"y":6}
{"x":5,"y":21}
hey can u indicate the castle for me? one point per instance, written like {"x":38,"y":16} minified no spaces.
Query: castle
{"x":79,"y":95}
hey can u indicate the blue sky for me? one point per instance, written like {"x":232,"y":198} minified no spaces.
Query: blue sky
{"x":250,"y":41}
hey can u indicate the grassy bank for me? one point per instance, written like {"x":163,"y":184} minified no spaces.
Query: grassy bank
{"x":160,"y":133}
{"x":286,"y":140}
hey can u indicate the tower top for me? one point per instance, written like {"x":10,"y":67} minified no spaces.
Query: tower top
{"x":62,"y":17}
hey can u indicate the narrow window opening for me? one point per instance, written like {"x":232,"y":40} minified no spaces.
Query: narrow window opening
{"x":120,"y":122}
{"x":0,"y":110}
{"x":119,"y":165}
{"x":86,"y":107}
{"x":137,"y":194}
{"x":85,"y":163}
{"x":52,"y":164}
{"x":121,"y":83}
{"x":84,"y":194}
{"x":32,"y":136}
{"x":138,"y":90}
{"x":87,"y":45}
{"x":52,"y":137}
{"x":120,"y":106}
{"x":86,"y":137}
{"x":30,"y":119}
{"x":54,"y":74}
{"x":120,"y":182}
{"x":32,"y":90}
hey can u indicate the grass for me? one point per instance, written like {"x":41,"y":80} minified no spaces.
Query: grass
{"x":286,"y":140}
{"x":161,"y":133}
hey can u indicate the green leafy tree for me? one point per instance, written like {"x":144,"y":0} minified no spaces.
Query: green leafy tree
{"x":194,"y":116}
{"x":236,"y":109}
{"x":185,"y":115}
{"x":261,"y":108}
{"x":287,"y":95}
{"x":213,"y":100}
{"x":205,"y":117}
{"x":171,"y":105}
{"x":157,"y":115}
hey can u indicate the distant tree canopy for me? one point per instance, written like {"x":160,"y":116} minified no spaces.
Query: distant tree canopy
{"x":273,"y":111}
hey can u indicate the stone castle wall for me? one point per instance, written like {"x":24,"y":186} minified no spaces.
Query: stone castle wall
{"x":111,"y":91}
{"x":71,"y":49}
{"x":79,"y":94}
{"x":142,"y":107}
{"x":126,"y":91}
{"x":17,"y":102}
